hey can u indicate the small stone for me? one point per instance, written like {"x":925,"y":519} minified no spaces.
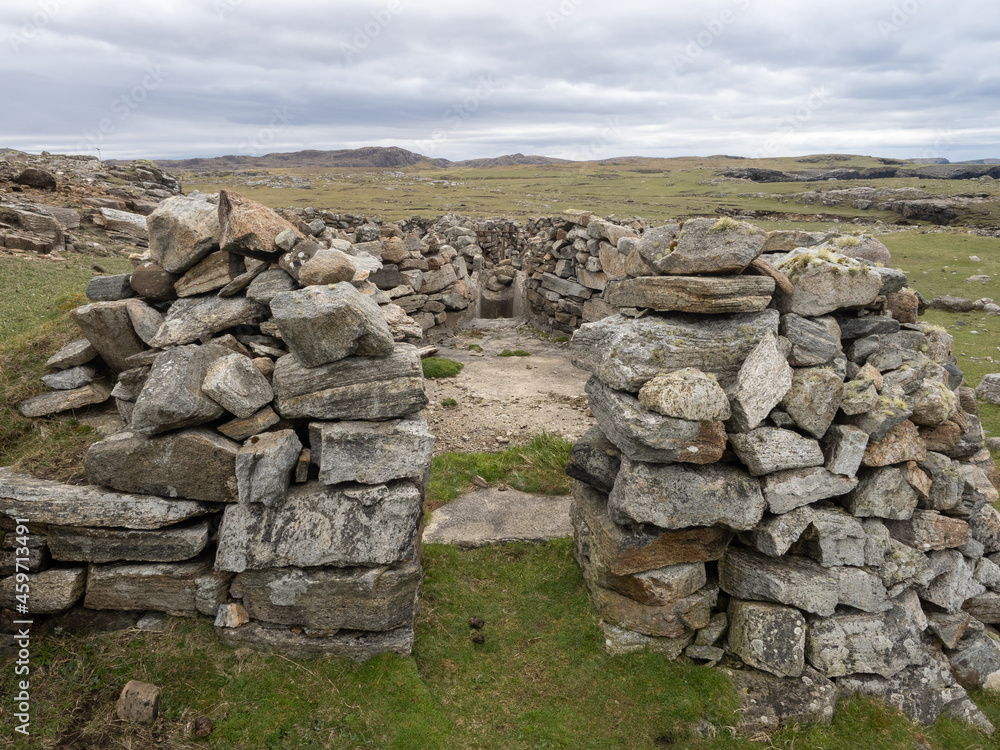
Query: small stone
{"x":74,"y":354}
{"x":237,"y":385}
{"x":172,"y":396}
{"x":138,"y":703}
{"x":769,"y":449}
{"x":241,"y":429}
{"x":768,"y":636}
{"x":687,"y":394}
{"x":844,"y":447}
{"x":110,"y":288}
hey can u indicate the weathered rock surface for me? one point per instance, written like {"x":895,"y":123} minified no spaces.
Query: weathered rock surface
{"x":65,"y":380}
{"x":51,"y":591}
{"x":813,"y":399}
{"x":867,"y":643}
{"x":353,"y":525}
{"x":763,"y":380}
{"x":172,"y":397}
{"x":235,"y":383}
{"x":198,"y":464}
{"x":330,"y":599}
{"x":790,"y":489}
{"x":844,"y":447}
{"x":644,"y":435}
{"x":108,"y":327}
{"x":264,"y":467}
{"x":594,"y":460}
{"x":768,"y":636}
{"x":97,"y":545}
{"x":826,"y":281}
{"x":626,"y":353}
{"x":48,"y":502}
{"x":927,"y":530}
{"x":248,"y":227}
{"x":55,"y":402}
{"x":75,"y":353}
{"x":677,"y":496}
{"x":183,"y":230}
{"x":176,"y":588}
{"x":815,"y":341}
{"x":325,"y":324}
{"x":768,"y":702}
{"x":351,"y":388}
{"x":701,"y":246}
{"x":769,"y":449}
{"x":687,"y":394}
{"x":371,"y":452}
{"x":195,"y":318}
{"x":290,"y":641}
{"x":884,"y":493}
{"x":694,"y":294}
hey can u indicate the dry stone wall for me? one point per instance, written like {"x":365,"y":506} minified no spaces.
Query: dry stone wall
{"x":786,"y":472}
{"x":272,"y":469}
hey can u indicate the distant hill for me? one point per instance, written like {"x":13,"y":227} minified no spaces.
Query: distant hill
{"x":371,"y":157}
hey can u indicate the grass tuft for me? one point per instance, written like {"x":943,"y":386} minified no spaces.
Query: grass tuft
{"x":514,"y":353}
{"x":439,"y":367}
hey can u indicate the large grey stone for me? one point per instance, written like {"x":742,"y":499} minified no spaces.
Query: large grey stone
{"x":989,"y":388}
{"x":833,"y":538}
{"x":787,"y":490}
{"x":768,"y":702}
{"x":825,"y":281}
{"x":792,"y":580}
{"x":371,"y":452}
{"x":774,"y":535}
{"x":321,"y":325}
{"x":903,"y":567}
{"x":97,"y":545}
{"x":950,"y":589}
{"x":881,"y":643}
{"x":815,"y":341}
{"x":635,"y":549}
{"x":51,"y":591}
{"x":644,"y":435}
{"x":701,"y":246}
{"x":47,"y":502}
{"x":844,"y":447}
{"x":264,"y":466}
{"x":687,"y":394}
{"x":862,"y":589}
{"x":235,"y":383}
{"x":176,"y":588}
{"x":975,"y":660}
{"x":330,"y":599}
{"x":195,"y":318}
{"x":625,"y":353}
{"x":677,"y":496}
{"x":769,"y":449}
{"x":270,"y":283}
{"x":146,"y":320}
{"x":813,"y":399}
{"x":768,"y":636}
{"x":182,"y":230}
{"x":933,"y":403}
{"x":763,"y":380}
{"x":172,"y":397}
{"x":108,"y":327}
{"x":198,"y":464}
{"x":695,"y":294}
{"x":594,"y":460}
{"x":889,"y":410}
{"x":884,"y":493}
{"x":928,"y":530}
{"x":317,"y":525}
{"x":352,"y":388}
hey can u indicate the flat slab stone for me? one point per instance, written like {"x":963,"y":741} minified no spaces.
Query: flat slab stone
{"x":371,"y":452}
{"x":766,"y":450}
{"x":290,"y":641}
{"x":488,"y":516}
{"x":48,"y":502}
{"x":625,"y":353}
{"x":791,"y":580}
{"x":97,"y":545}
{"x":177,"y":588}
{"x":74,"y":354}
{"x":191,"y":319}
{"x":644,"y":435}
{"x":330,"y":599}
{"x":696,"y":294}
{"x":198,"y":464}
{"x":790,"y":489}
{"x":768,"y":702}
{"x":349,"y":525}
{"x":51,"y":591}
{"x":678,"y":496}
{"x":881,"y":643}
{"x":352,"y":388}
{"x":56,"y":402}
{"x":635,"y":549}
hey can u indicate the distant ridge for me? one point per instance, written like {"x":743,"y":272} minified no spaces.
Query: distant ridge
{"x":370,"y":157}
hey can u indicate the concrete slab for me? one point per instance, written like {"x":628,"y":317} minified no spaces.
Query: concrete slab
{"x":492,"y":516}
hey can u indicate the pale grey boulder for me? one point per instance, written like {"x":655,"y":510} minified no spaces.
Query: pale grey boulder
{"x":330,"y":599}
{"x":701,"y":246}
{"x":766,"y":450}
{"x":844,"y":447}
{"x":352,"y":525}
{"x":351,"y":388}
{"x":235,"y":383}
{"x":957,"y":583}
{"x":884,"y":493}
{"x":762,"y":382}
{"x":825,"y":281}
{"x":108,"y":327}
{"x":324,"y":324}
{"x":371,"y":452}
{"x":75,"y":353}
{"x":182,"y":230}
{"x":687,"y":394}
{"x":643,"y":435}
{"x":882,"y":643}
{"x":678,"y":496}
{"x":767,"y":636}
{"x":264,"y":467}
{"x":195,"y":318}
{"x":862,"y":589}
{"x":833,"y":539}
{"x":198,"y":464}
{"x":813,"y":399}
{"x":172,"y":397}
{"x":791,"y":580}
{"x":625,"y":353}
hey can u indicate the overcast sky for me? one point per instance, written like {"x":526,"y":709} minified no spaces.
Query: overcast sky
{"x":578,"y":79}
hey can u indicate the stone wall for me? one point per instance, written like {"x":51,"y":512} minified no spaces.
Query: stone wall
{"x":273,"y":460}
{"x":787,"y":472}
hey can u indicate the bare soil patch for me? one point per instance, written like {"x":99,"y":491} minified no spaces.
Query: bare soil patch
{"x":503,"y":401}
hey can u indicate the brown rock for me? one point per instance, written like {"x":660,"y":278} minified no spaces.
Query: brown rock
{"x":139,"y":703}
{"x":249,"y":227}
{"x":152,"y":281}
{"x":213,"y":272}
{"x":902,"y":443}
{"x":696,"y":294}
{"x":903,"y":305}
{"x":928,"y":530}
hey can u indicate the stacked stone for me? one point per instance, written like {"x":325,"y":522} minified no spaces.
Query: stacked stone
{"x":272,"y":469}
{"x":784,"y":473}
{"x":570,"y":264}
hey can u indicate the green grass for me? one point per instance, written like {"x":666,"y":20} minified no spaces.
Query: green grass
{"x":449,"y":403}
{"x":439,"y":367}
{"x":514,"y":353}
{"x":540,"y":680}
{"x":538,"y":466}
